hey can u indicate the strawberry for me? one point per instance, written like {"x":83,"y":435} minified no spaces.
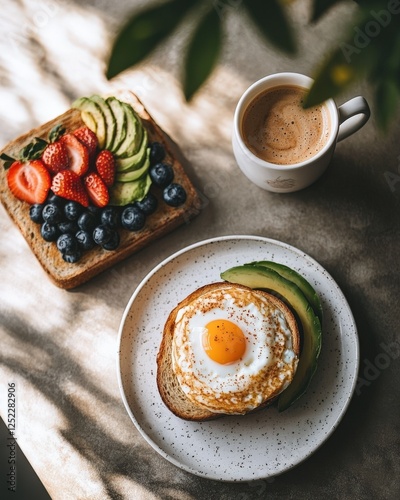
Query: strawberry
{"x":78,"y":154}
{"x":29,"y":181}
{"x":69,"y":185}
{"x":105,"y":166}
{"x":55,"y":157}
{"x":88,"y":139}
{"x":96,"y":189}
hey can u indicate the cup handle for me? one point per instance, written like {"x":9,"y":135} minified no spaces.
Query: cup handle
{"x":353,"y":115}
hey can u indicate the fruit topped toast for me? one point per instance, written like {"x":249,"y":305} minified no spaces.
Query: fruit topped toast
{"x":93,"y":186}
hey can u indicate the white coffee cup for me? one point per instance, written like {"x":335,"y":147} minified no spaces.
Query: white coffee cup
{"x":344,"y":121}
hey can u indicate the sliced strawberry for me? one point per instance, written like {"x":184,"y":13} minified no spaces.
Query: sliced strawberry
{"x":96,"y":189}
{"x":69,"y":185}
{"x":55,"y":157}
{"x":29,"y":181}
{"x":105,"y":166}
{"x":78,"y":154}
{"x":88,"y":139}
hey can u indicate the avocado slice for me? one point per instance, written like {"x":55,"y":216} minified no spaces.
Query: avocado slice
{"x":123,"y":193}
{"x":135,"y":161}
{"x":108,"y":117}
{"x":89,"y":107}
{"x":89,"y":121}
{"x":120,"y":122}
{"x":132,"y":175}
{"x":300,"y":281}
{"x":134,"y":133}
{"x":265,"y":278}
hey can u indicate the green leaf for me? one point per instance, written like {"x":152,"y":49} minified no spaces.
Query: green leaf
{"x":26,"y":152}
{"x":333,"y":77}
{"x":372,"y":51}
{"x":392,"y":49}
{"x":56,"y":132}
{"x":321,"y":7}
{"x":270,"y":17}
{"x":342,"y":68}
{"x":386,"y":102}
{"x":202,"y":53}
{"x":33,"y":150}
{"x":40,"y":143}
{"x":143,"y":32}
{"x":8,"y":160}
{"x":5,"y":157}
{"x":37,"y":149}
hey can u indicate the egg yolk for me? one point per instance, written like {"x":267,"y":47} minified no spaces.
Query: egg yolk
{"x":223,"y":341}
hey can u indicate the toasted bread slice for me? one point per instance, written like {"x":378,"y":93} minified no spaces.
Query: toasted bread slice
{"x":168,"y":385}
{"x":164,"y":220}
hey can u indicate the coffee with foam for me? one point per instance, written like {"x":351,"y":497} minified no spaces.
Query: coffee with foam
{"x":277,"y":129}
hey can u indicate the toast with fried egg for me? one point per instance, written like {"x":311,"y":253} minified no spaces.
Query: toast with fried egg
{"x":203,"y":370}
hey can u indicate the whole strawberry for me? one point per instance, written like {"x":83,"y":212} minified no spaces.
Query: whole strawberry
{"x":88,"y":139}
{"x":105,"y":166}
{"x":55,"y":155}
{"x":69,"y":185}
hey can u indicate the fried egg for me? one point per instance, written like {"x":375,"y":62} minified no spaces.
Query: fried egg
{"x":232,"y":348}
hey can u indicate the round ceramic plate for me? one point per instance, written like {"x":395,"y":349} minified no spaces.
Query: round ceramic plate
{"x":236,"y":448}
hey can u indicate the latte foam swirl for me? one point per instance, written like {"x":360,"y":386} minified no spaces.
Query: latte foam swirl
{"x":277,"y":128}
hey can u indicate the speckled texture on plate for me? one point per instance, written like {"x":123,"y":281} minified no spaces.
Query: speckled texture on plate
{"x":256,"y":446}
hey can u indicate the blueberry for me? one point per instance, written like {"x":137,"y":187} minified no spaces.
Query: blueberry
{"x":96,"y":211}
{"x":102,"y":234}
{"x":35,"y":213}
{"x":85,"y":240}
{"x":73,"y":210}
{"x":174,"y":195}
{"x":73,"y":256}
{"x":53,"y":198}
{"x":67,"y":243}
{"x":148,"y":205}
{"x":161,"y":174}
{"x":113,"y":242}
{"x":110,"y":217}
{"x":68,"y":226}
{"x":87,"y":221}
{"x":52,"y":213}
{"x":133,"y":218}
{"x":49,"y":232}
{"x":157,"y":152}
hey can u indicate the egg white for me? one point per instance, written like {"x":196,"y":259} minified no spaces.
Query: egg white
{"x":244,"y":384}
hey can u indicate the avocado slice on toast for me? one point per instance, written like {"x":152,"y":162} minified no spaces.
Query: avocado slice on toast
{"x":134,"y":133}
{"x":120,"y":122}
{"x":123,"y":193}
{"x":135,"y":161}
{"x":109,"y":119}
{"x":92,"y":113}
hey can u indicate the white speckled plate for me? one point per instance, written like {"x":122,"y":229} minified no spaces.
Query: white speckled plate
{"x":255,"y":446}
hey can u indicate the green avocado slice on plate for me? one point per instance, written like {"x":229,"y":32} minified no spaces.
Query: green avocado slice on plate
{"x":291,"y":275}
